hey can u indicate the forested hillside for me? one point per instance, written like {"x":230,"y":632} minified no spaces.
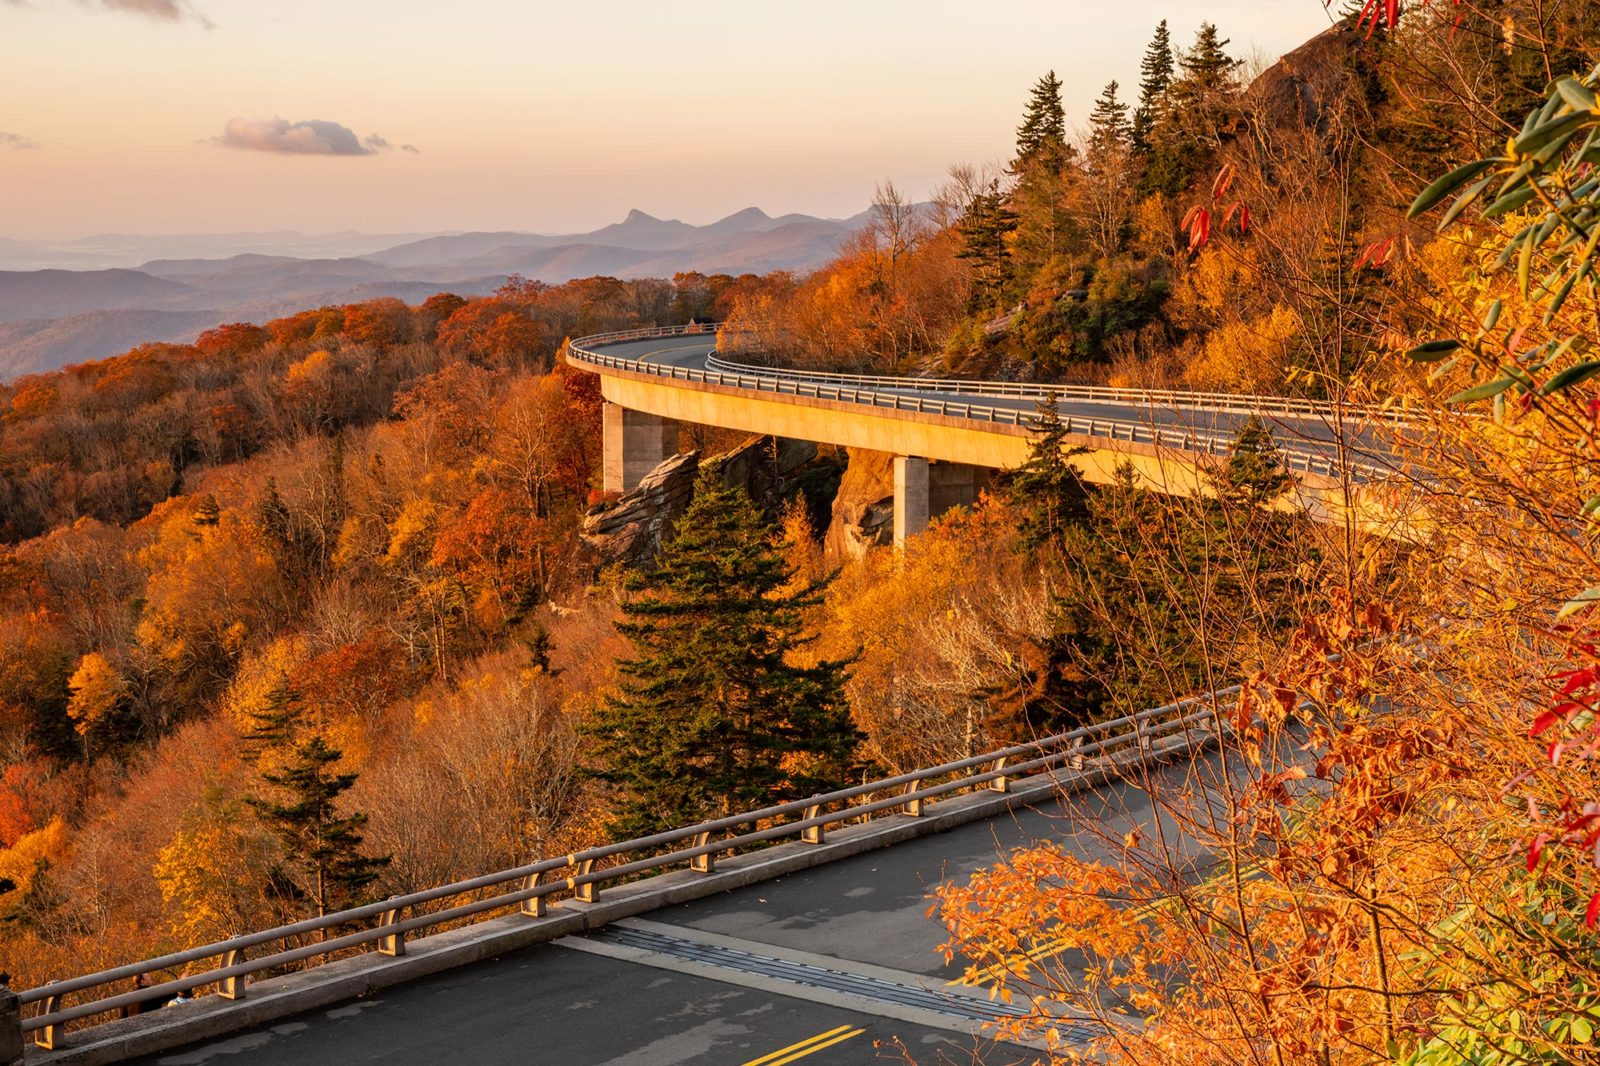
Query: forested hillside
{"x":304,"y":614}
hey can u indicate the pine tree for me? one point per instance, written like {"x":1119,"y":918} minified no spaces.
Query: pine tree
{"x":1206,"y":66}
{"x":1042,"y":137}
{"x":1155,"y":75}
{"x":206,"y":512}
{"x":711,"y":717}
{"x":1254,"y":475}
{"x":323,"y":848}
{"x":983,"y":230}
{"x":1048,"y":489}
{"x":1197,"y":109}
{"x":1108,"y":123}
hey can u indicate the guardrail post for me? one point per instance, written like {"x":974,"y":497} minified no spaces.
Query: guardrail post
{"x":534,"y":907}
{"x":589,"y":891}
{"x":1076,"y":760}
{"x":232,"y":987}
{"x":913,"y":802}
{"x":46,"y":1037}
{"x":10,"y":1028}
{"x":1001,"y":783}
{"x":706,"y":861}
{"x":395,"y":943}
{"x":812,"y":834}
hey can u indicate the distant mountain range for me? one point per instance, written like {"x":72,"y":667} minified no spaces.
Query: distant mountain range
{"x":86,"y":299}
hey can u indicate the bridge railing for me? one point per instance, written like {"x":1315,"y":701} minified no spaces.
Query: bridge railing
{"x":1158,"y":398}
{"x":1119,"y":743}
{"x":901,"y":394}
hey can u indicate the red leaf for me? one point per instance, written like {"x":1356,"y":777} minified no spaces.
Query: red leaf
{"x":1592,"y":914}
{"x":1543,"y":722}
{"x":1244,"y":219}
{"x":1536,"y":849}
{"x":1224,"y":179}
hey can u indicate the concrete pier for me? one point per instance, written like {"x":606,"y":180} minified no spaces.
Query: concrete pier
{"x":910,"y":497}
{"x":635,"y":444}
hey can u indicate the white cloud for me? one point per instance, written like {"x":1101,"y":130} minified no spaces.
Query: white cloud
{"x":16,"y":141}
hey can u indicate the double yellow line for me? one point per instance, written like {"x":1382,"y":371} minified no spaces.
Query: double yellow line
{"x":1057,"y":944}
{"x":807,"y":1046}
{"x":995,"y":971}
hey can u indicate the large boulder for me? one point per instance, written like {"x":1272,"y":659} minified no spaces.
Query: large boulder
{"x":863,"y":511}
{"x":631,"y":530}
{"x":762,"y":467}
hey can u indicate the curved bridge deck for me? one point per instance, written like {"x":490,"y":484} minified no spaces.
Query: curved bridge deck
{"x":653,"y":379}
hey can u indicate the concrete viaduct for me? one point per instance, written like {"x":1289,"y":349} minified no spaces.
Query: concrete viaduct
{"x":947,"y":436}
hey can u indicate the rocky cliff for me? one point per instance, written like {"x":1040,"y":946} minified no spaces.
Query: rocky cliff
{"x":631,"y":530}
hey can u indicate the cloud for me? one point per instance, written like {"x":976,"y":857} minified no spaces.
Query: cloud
{"x":413,"y":149}
{"x":171,"y":10}
{"x":16,"y":141}
{"x":166,"y":10}
{"x":312,"y":137}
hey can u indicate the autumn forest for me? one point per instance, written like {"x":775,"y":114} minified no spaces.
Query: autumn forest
{"x":331,"y":607}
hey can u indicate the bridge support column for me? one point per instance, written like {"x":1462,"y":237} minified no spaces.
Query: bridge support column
{"x":10,"y":1028}
{"x":924,"y":490}
{"x":910,"y":498}
{"x":635,"y":444}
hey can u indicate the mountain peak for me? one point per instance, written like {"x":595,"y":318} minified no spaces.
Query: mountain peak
{"x":749,"y":214}
{"x":637,"y":215}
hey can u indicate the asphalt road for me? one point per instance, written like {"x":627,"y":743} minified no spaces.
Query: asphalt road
{"x":864,"y":918}
{"x":1313,"y":433}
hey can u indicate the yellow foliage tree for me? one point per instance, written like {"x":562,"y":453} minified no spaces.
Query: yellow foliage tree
{"x":211,"y":877}
{"x":21,"y":862}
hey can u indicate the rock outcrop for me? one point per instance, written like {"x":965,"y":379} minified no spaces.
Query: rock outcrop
{"x":863,"y":511}
{"x":631,"y":530}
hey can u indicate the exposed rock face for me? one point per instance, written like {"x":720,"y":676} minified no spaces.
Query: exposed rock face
{"x":631,"y":530}
{"x":1305,"y":88}
{"x":863,"y":511}
{"x":761,"y":464}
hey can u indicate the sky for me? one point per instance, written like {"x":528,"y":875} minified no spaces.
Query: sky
{"x":400,"y":116}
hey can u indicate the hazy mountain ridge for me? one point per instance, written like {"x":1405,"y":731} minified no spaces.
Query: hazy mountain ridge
{"x":51,"y":317}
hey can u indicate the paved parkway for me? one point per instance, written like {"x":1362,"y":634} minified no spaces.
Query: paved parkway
{"x":834,"y":965}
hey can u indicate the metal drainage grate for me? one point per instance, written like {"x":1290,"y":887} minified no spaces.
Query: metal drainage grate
{"x":801,"y":973}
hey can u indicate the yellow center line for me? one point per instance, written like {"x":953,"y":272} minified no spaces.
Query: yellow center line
{"x":804,"y":1047}
{"x":657,"y":351}
{"x":1057,"y":945}
{"x":818,"y":1047}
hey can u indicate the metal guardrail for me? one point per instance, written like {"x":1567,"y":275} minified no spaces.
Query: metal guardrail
{"x":876,"y":392}
{"x":1159,"y":398}
{"x":1130,"y":740}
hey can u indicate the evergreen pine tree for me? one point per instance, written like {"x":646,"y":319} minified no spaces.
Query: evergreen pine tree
{"x":323,"y":848}
{"x":1254,"y":475}
{"x":206,"y":512}
{"x":1108,"y":123}
{"x":1039,"y":200}
{"x":983,"y":230}
{"x":711,"y":716}
{"x":1155,"y":74}
{"x":1206,"y":66}
{"x":1042,"y":137}
{"x":1048,"y":489}
{"x":1197,"y":109}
